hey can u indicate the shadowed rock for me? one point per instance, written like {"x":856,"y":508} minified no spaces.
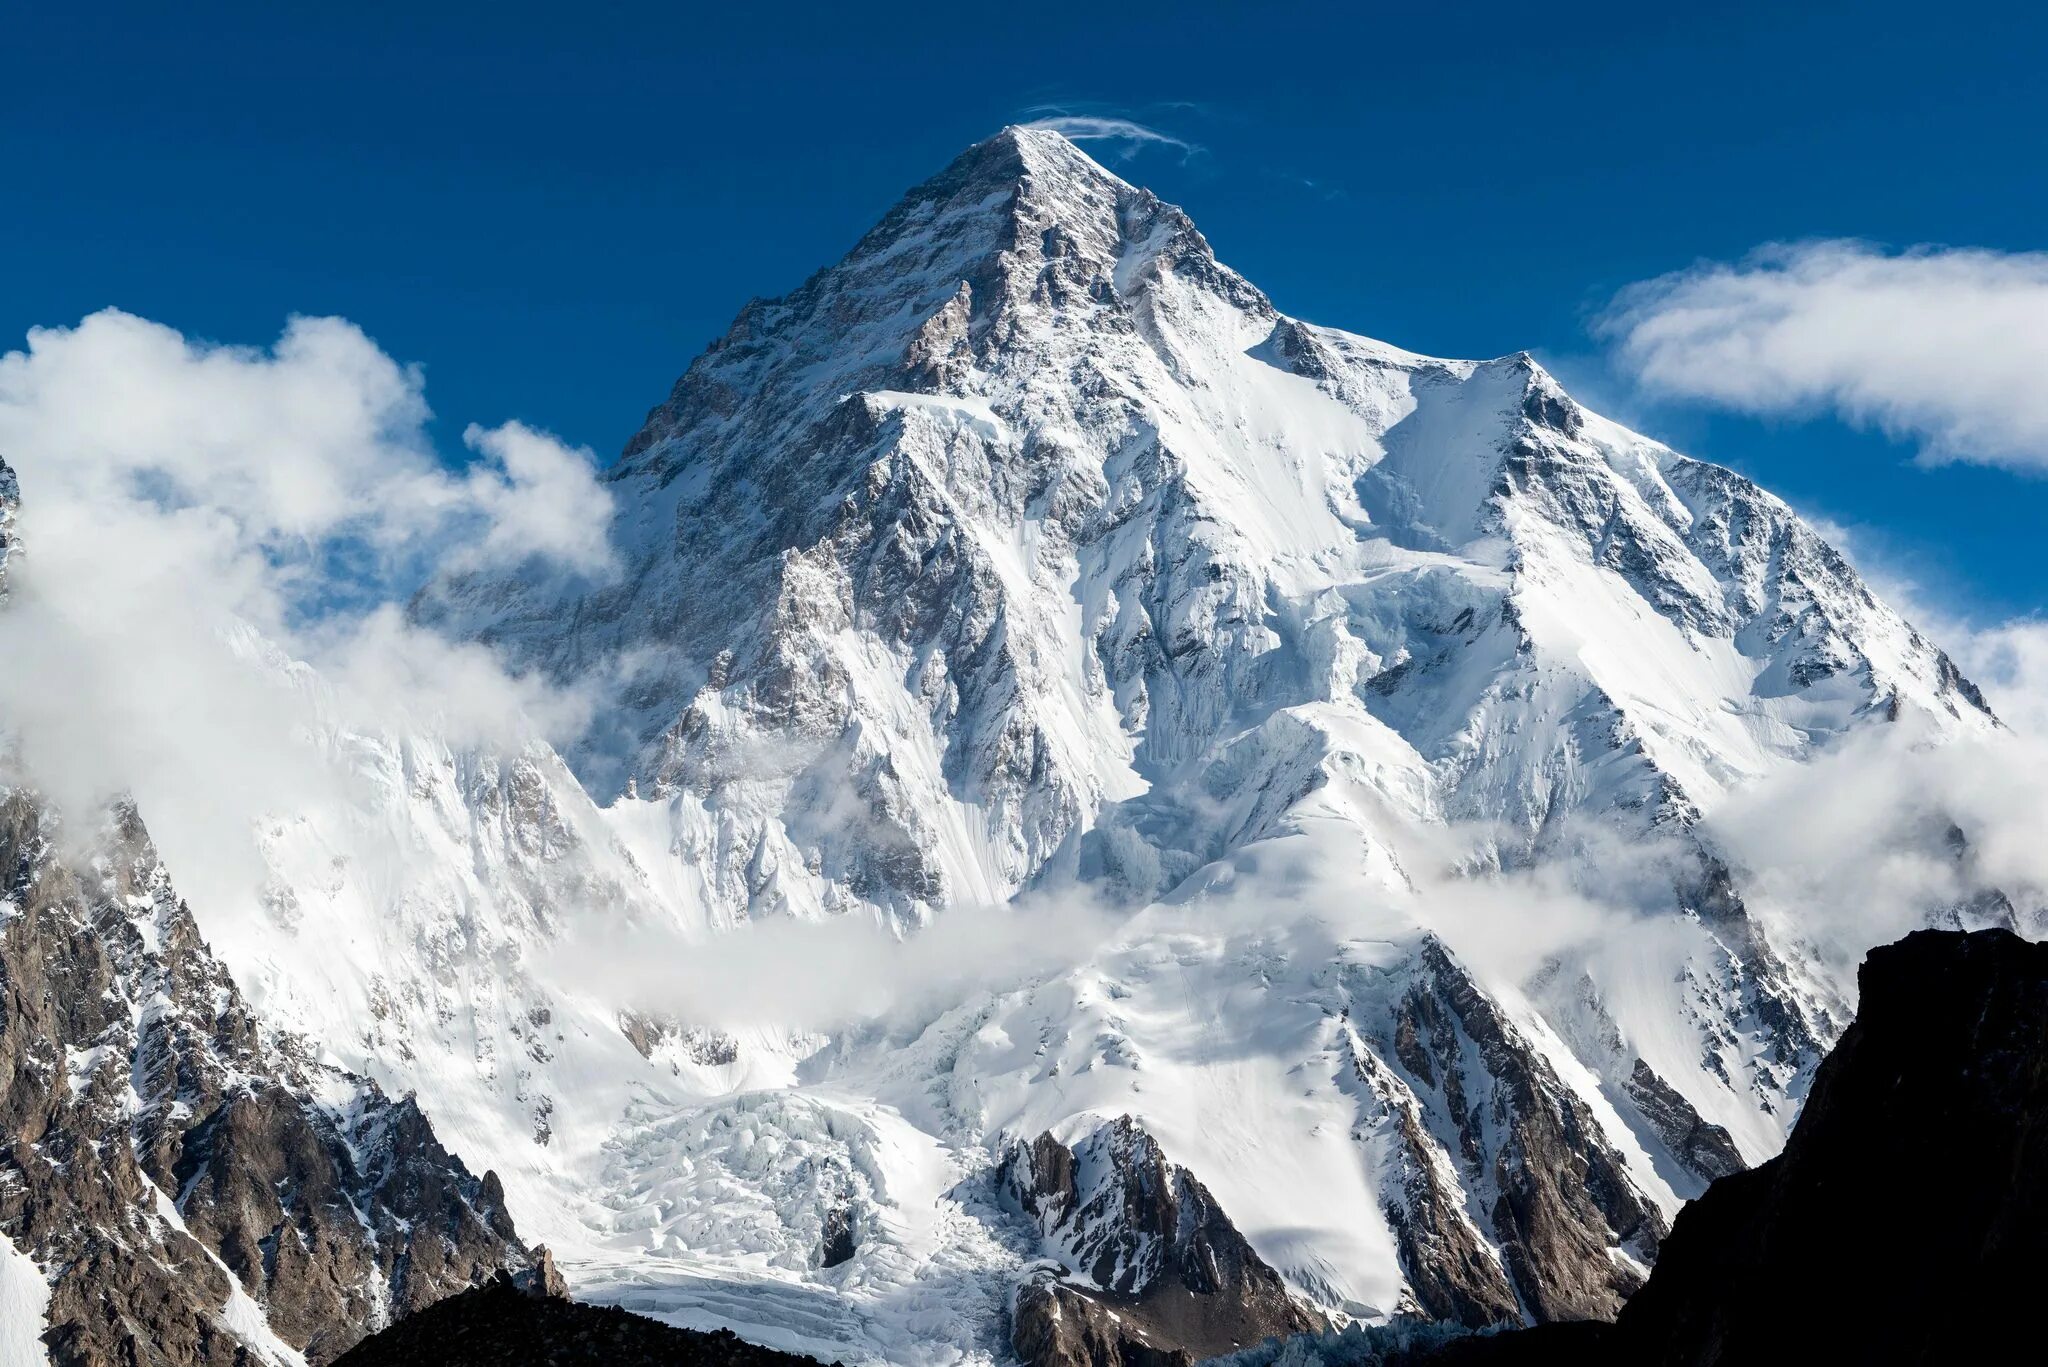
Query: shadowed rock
{"x":504,"y":1325}
{"x":1154,"y":1271}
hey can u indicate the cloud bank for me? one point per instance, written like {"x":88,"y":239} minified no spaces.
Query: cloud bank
{"x":1937,"y":345}
{"x":197,"y":517}
{"x":2009,"y":662}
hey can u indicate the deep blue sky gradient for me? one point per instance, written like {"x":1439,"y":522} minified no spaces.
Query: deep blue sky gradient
{"x":553,"y":208}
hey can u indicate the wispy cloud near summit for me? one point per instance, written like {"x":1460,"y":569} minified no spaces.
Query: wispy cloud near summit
{"x":1129,"y":133}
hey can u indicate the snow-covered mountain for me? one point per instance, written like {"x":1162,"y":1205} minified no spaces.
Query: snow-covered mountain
{"x":1030,"y":554}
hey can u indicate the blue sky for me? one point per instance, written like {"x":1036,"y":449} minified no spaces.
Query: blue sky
{"x":552,"y":210}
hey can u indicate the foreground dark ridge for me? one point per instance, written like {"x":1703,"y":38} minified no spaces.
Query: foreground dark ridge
{"x":1906,"y":1221}
{"x":500,"y":1325}
{"x":1908,"y":1215}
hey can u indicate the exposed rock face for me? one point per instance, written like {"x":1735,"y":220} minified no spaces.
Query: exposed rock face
{"x":1573,"y":1227}
{"x":663,"y":1039}
{"x":10,"y":500}
{"x":1906,"y":1220}
{"x":501,"y":1323}
{"x":197,"y":1190}
{"x":1454,"y":1271}
{"x":1706,"y":1149}
{"x":1152,"y":1270}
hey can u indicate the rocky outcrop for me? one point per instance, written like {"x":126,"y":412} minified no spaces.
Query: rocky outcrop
{"x":502,"y":1322}
{"x":1149,"y":1269}
{"x":1454,"y":1272}
{"x":1707,"y":1150}
{"x":1572,"y":1226}
{"x":196,"y":1189}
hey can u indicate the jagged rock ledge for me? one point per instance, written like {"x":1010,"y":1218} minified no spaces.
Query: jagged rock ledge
{"x":1145,"y":1268}
{"x":196,"y":1188}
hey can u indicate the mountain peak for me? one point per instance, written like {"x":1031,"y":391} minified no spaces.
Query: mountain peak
{"x":1018,"y":229}
{"x":1028,"y":545}
{"x":1025,"y":149}
{"x":1022,"y":166}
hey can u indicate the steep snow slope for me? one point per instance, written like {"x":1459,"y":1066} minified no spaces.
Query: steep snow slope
{"x":179,"y":1182}
{"x":24,"y":1308}
{"x":1030,"y":550}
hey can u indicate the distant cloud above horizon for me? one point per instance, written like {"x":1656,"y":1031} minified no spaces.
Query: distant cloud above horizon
{"x":1943,"y":346}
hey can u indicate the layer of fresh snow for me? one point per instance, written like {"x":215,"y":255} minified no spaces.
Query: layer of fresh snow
{"x":244,"y":1318}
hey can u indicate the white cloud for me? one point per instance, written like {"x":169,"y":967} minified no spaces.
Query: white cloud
{"x":1943,"y":346}
{"x":2009,"y":662}
{"x":538,"y":499}
{"x":1100,"y":128}
{"x":196,"y":516}
{"x":1852,"y":850}
{"x":785,"y":973}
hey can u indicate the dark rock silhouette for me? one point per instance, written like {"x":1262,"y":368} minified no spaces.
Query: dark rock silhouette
{"x":1907,"y":1219}
{"x":503,"y":1324}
